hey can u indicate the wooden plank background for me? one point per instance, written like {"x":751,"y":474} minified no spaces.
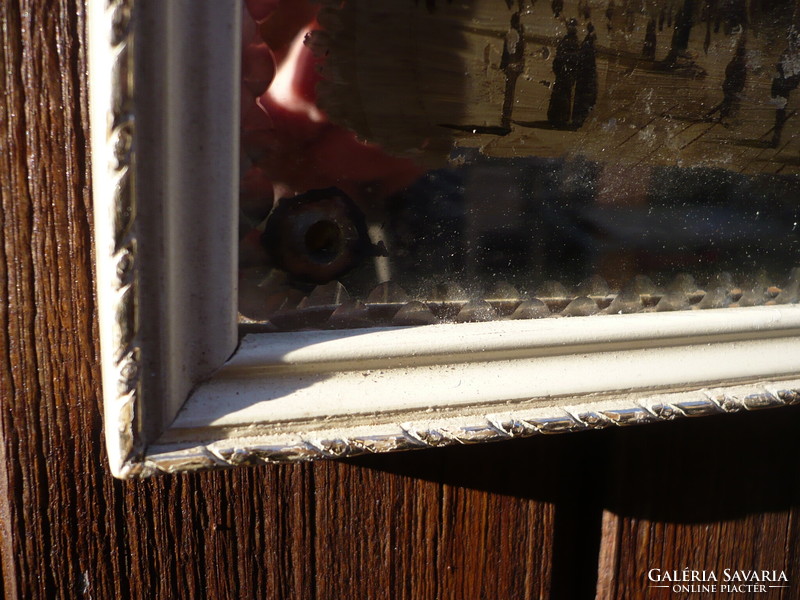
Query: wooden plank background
{"x":577,"y":516}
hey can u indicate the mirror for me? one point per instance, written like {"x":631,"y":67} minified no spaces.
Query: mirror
{"x":424,"y":162}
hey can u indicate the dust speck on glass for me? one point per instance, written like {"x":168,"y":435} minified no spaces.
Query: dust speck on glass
{"x":407,"y":162}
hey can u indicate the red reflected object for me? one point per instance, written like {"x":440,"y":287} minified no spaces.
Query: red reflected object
{"x":258,"y":67}
{"x":261,"y":9}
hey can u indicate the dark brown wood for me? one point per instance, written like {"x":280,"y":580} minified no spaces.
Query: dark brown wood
{"x":522,"y":519}
{"x":708,"y":494}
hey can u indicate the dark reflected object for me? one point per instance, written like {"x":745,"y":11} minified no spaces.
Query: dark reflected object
{"x":584,"y":10}
{"x":610,"y":15}
{"x":565,"y":67}
{"x":786,"y":82}
{"x":733,"y":84}
{"x":317,"y":236}
{"x":574,"y":92}
{"x":733,"y":13}
{"x":649,"y":48}
{"x":586,"y":80}
{"x":513,"y":64}
{"x":680,"y":36}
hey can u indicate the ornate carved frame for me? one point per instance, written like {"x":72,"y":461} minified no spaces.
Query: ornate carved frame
{"x":183,"y":391}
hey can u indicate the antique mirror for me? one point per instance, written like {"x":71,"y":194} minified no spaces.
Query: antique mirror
{"x":330,"y":228}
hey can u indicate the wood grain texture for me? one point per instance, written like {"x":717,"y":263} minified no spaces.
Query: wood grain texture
{"x":708,"y":494}
{"x":521,"y":519}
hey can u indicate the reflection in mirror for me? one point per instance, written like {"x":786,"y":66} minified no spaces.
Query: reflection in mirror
{"x":408,"y":162}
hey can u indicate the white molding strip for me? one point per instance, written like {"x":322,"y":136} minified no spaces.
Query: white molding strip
{"x":330,"y":393}
{"x":430,"y":431}
{"x":280,"y":378}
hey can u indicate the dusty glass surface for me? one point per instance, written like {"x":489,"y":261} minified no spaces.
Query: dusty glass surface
{"x":409,"y":162}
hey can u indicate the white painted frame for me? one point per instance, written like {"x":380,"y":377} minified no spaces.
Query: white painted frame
{"x":182,"y":392}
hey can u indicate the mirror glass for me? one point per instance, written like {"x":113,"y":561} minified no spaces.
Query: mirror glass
{"x":408,"y":162}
